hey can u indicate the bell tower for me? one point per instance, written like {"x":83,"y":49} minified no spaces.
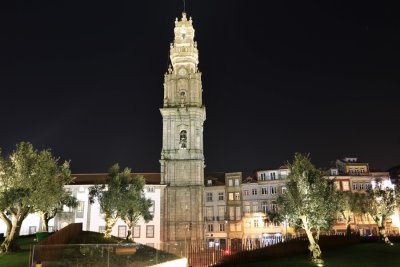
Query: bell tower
{"x":182,"y":158}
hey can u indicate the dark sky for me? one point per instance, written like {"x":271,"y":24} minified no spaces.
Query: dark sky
{"x":85,"y":78}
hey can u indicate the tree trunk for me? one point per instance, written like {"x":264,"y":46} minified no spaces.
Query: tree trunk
{"x":109,"y":225}
{"x":128,"y":236}
{"x":10,"y":243}
{"x":7,"y":222}
{"x":348,"y":229}
{"x":382,"y":234}
{"x":45,"y":222}
{"x":316,"y":254}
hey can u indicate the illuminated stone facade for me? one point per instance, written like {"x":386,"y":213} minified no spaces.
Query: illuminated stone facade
{"x":182,"y":158}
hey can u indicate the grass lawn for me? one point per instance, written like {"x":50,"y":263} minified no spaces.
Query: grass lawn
{"x":361,"y":255}
{"x":20,"y":258}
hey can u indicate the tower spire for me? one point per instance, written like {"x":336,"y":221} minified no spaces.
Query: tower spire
{"x":184,"y":6}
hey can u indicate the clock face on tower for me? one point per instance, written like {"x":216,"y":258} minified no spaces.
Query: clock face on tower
{"x":182,"y":71}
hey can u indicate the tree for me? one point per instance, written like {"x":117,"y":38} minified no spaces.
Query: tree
{"x":59,"y":199}
{"x":380,"y":204}
{"x":27,"y":178}
{"x":121,"y":196}
{"x":135,"y":205}
{"x":310,"y":201}
{"x":349,"y":204}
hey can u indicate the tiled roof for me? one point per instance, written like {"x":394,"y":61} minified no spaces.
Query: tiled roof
{"x":95,"y":178}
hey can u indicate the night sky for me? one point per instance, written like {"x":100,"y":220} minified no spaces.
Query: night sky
{"x":85,"y":78}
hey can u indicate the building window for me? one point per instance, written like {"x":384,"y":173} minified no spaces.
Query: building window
{"x":149,"y":231}
{"x":264,"y":207}
{"x":210,"y":227}
{"x":152,"y":208}
{"x":246,"y":207}
{"x":230,"y":196}
{"x":256,"y":223}
{"x":236,"y":182}
{"x":79,"y":209}
{"x":220,"y":195}
{"x":209,"y":196}
{"x":273,"y":190}
{"x":238,"y":214}
{"x":209,"y":182}
{"x":183,"y":139}
{"x":246,"y":192}
{"x":150,"y":189}
{"x":232,"y":213}
{"x":354,"y":186}
{"x":264,"y":191}
{"x":32,"y":230}
{"x":345,"y":185}
{"x":255,"y":207}
{"x":272,"y":174}
{"x":136,"y":231}
{"x":230,"y":182}
{"x":238,"y":227}
{"x":209,"y":213}
{"x":284,"y":190}
{"x":222,"y":227}
{"x":254,"y":191}
{"x":221,"y":213}
{"x":121,"y":231}
{"x":237,"y":196}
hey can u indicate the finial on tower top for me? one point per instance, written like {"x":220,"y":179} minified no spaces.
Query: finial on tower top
{"x":184,"y":16}
{"x":184,"y":6}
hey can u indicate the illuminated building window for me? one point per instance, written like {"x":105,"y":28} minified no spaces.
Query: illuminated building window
{"x":230,"y":196}
{"x":345,"y":185}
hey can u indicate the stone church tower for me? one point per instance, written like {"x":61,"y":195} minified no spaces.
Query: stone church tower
{"x":182,"y":158}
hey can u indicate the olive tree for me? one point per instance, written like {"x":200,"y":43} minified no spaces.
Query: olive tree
{"x":310,"y":202}
{"x":135,"y":206}
{"x":350,"y":203}
{"x":380,"y":204}
{"x":28,"y":179}
{"x":121,"y":196}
